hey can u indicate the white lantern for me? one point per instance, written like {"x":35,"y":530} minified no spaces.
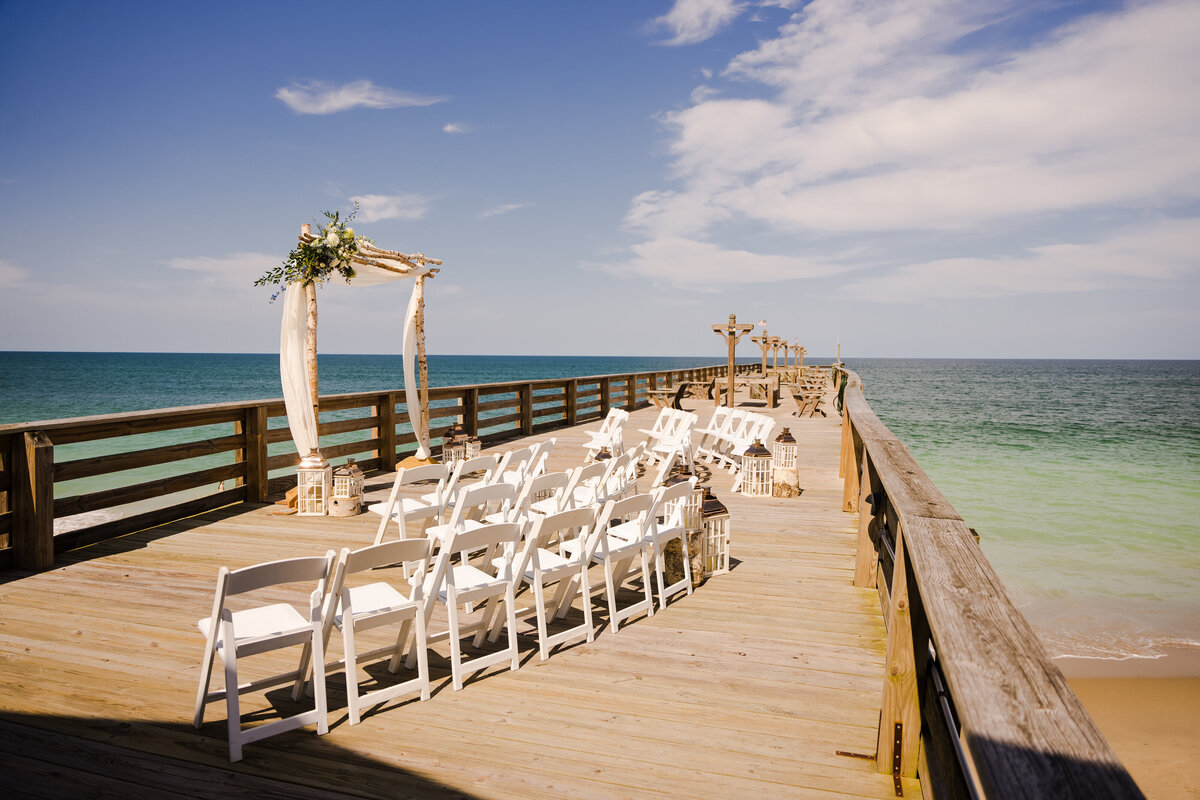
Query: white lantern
{"x":756,"y":471}
{"x":785,"y":480}
{"x":454,"y":445}
{"x":693,"y":526}
{"x":347,"y":490}
{"x":472,"y":447}
{"x":314,"y":484}
{"x":715,"y":519}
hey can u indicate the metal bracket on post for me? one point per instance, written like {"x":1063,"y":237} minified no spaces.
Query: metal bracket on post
{"x":896,"y":748}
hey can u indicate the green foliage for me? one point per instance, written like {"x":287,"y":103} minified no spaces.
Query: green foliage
{"x":316,"y":261}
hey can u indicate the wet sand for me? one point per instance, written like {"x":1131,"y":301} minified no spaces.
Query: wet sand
{"x":1149,"y":710}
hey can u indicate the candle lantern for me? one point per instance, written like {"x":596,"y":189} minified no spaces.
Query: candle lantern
{"x":692,"y":524}
{"x":785,"y":480}
{"x":472,"y":447}
{"x":715,"y":520}
{"x":314,"y":484}
{"x":454,"y":445}
{"x":347,"y":490}
{"x":756,"y":471}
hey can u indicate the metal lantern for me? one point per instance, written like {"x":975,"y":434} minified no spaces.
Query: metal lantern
{"x":785,"y":480}
{"x":691,"y":509}
{"x":756,"y":471}
{"x":715,"y":519}
{"x":314,"y":484}
{"x":347,"y":490}
{"x":454,"y":445}
{"x":472,"y":447}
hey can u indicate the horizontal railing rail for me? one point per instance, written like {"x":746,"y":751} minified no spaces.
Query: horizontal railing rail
{"x":971,"y":700}
{"x":67,"y":483}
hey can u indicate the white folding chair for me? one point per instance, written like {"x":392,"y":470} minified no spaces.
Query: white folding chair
{"x":662,"y":426}
{"x":515,"y":464}
{"x":622,"y":480}
{"x":760,"y":430}
{"x":587,"y":483}
{"x":675,"y":444}
{"x":617,"y":553}
{"x":712,"y":433}
{"x":541,"y":495}
{"x":475,"y":503}
{"x":260,"y":629}
{"x":463,"y":583}
{"x":403,"y":510}
{"x":609,"y":435}
{"x":538,"y":565}
{"x":354,"y":609}
{"x":669,"y":505}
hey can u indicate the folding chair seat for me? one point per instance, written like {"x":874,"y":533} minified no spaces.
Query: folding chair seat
{"x":354,"y":609}
{"x":454,"y":585}
{"x":629,"y":516}
{"x":609,"y":435}
{"x":234,"y":635}
{"x":403,"y":510}
{"x":540,"y":563}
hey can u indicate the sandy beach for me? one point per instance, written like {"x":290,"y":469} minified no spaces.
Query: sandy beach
{"x":1149,"y":710}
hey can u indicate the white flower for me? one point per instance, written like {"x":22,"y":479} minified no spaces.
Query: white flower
{"x":331,"y":237}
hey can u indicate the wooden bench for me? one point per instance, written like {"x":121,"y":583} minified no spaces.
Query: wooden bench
{"x":668,"y":398}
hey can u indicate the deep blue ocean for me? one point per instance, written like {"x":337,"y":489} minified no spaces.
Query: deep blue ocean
{"x":1082,"y":477}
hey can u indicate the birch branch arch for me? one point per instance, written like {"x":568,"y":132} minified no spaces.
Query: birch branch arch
{"x":298,"y":342}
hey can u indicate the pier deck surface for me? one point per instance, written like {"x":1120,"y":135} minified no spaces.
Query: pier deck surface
{"x":747,"y":689}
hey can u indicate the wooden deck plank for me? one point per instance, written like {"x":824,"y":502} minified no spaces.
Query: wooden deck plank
{"x":750,"y":685}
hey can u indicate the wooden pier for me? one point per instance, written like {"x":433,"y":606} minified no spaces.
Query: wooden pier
{"x":754,"y":684}
{"x":844,"y":654}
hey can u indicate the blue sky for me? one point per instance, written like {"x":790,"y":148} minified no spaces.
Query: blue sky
{"x":925,"y":179}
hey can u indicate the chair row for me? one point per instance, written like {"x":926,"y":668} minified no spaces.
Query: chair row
{"x":727,"y":435}
{"x":494,"y":561}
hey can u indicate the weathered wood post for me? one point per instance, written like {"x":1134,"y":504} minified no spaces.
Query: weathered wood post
{"x":900,"y":717}
{"x":864,"y":562}
{"x":605,"y":396}
{"x":732,"y":332}
{"x":525,"y":397}
{"x":422,"y":361}
{"x":764,"y":344}
{"x":385,"y":409}
{"x":253,"y":430}
{"x":33,"y":501}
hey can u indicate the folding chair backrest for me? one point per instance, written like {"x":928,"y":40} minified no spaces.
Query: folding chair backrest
{"x":670,"y":501}
{"x":637,"y":506}
{"x":484,"y":463}
{"x":519,"y":460}
{"x":551,"y":484}
{"x":500,"y":533}
{"x":386,"y":554}
{"x":478,"y":500}
{"x":590,"y":477}
{"x":541,"y":453}
{"x":273,"y":573}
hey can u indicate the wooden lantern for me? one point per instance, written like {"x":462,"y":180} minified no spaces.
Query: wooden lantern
{"x":347,"y":490}
{"x":785,"y":480}
{"x":715,"y":520}
{"x":756,"y":471}
{"x":314,"y":485}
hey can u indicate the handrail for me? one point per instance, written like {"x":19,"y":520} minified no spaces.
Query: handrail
{"x":224,"y":453}
{"x":1022,"y":731}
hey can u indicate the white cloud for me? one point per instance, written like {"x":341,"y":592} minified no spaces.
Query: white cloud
{"x":1155,"y":251}
{"x":503,"y":209}
{"x":883,"y":116}
{"x":235,"y":270}
{"x":376,"y":207}
{"x":704,"y":266}
{"x":693,"y":21}
{"x":454,"y":127}
{"x":318,"y":97}
{"x":10,"y":276}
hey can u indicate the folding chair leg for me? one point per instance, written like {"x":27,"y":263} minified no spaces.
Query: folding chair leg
{"x":402,"y":642}
{"x":233,"y":712}
{"x":349,"y":651}
{"x":539,"y":595}
{"x":510,"y":605}
{"x":205,"y":682}
{"x":455,"y":655}
{"x":422,"y":655}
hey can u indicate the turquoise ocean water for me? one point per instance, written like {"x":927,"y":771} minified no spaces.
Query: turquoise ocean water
{"x":1080,"y":476}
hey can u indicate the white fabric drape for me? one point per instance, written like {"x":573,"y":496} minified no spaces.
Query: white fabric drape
{"x":297,"y":397}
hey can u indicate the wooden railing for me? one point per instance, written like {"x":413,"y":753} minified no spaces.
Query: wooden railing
{"x":99,"y":479}
{"x":970,"y":698}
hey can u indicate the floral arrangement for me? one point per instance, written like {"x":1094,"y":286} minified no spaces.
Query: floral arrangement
{"x":330,"y":251}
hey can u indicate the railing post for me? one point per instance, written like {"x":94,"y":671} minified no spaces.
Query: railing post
{"x":864,"y":562}
{"x":630,"y":392}
{"x":470,"y":404}
{"x":605,"y":395}
{"x":846,"y":442}
{"x":526,"y":396}
{"x":386,"y":432}
{"x":900,"y":717}
{"x":850,"y":494}
{"x":33,"y":501}
{"x":572,"y":400}
{"x":253,"y":430}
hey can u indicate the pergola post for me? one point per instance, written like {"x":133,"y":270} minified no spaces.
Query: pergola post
{"x":732,"y":332}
